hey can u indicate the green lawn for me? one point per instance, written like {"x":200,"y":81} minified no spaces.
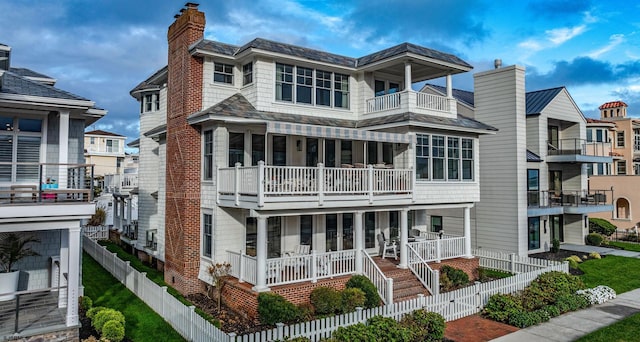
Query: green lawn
{"x":622,"y":331}
{"x":142,"y":323}
{"x":619,"y":273}
{"x":634,"y":247}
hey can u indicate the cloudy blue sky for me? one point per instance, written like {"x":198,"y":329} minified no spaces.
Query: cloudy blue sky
{"x":102,"y":49}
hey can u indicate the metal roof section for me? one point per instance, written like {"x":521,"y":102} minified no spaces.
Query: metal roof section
{"x":537,"y":100}
{"x":532,"y":157}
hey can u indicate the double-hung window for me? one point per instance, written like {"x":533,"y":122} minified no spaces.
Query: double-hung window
{"x":444,"y":158}
{"x":20,"y":141}
{"x":437,"y":153}
{"x":620,"y":139}
{"x":223,"y":73}
{"x":341,"y":91}
{"x":113,"y":146}
{"x":284,"y":82}
{"x":247,"y":74}
{"x":208,"y":155}
{"x":207,"y":235}
{"x":323,"y":88}
{"x":453,"y":158}
{"x":304,"y":85}
{"x":467,"y":159}
{"x":422,"y":156}
{"x":311,"y":86}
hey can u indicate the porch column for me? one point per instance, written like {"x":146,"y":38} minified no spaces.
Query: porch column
{"x":467,"y":233}
{"x":261,"y":255}
{"x":129,"y":209}
{"x":404,"y":238}
{"x":449,"y":86}
{"x":122,"y":204}
{"x":407,"y":76}
{"x":63,"y":148}
{"x":73,"y":280}
{"x":359,"y":243}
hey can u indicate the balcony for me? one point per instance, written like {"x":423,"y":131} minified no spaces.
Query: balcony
{"x":295,"y":187}
{"x":411,"y":101}
{"x":33,"y":312}
{"x":44,"y":183}
{"x":130,"y":232}
{"x":120,"y":182}
{"x":568,"y":202}
{"x":578,"y":151}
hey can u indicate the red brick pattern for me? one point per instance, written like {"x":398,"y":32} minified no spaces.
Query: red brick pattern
{"x":184,"y":97}
{"x":469,"y":266}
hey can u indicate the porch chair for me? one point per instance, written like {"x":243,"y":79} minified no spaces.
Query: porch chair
{"x":387,"y":247}
{"x":299,"y":250}
{"x":416,"y":235}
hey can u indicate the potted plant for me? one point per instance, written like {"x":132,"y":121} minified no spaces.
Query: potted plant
{"x":13,"y":247}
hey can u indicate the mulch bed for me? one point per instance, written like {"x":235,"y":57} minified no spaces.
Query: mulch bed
{"x":86,"y":330}
{"x":560,"y":256}
{"x":230,"y":321}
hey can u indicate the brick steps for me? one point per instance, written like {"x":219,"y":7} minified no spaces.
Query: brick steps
{"x":405,"y":285}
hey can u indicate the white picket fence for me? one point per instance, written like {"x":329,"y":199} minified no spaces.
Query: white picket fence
{"x":451,"y":305}
{"x":96,"y":232}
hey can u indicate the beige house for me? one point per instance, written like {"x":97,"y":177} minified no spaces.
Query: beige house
{"x":622,"y":176}
{"x":105,"y":150}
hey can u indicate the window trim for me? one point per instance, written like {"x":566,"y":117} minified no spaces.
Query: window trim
{"x":289,"y":74}
{"x":226,"y":74}
{"x":426,"y":149}
{"x":207,"y":155}
{"x":203,"y":252}
{"x":620,"y":136}
{"x":247,"y":74}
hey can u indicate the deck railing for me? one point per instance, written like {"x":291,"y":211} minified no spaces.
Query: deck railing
{"x":270,"y":183}
{"x":408,"y":100}
{"x":439,"y":249}
{"x":118,"y":182}
{"x":32,"y":309}
{"x":579,"y":147}
{"x":428,"y":277}
{"x":45,"y":182}
{"x":382,"y":282}
{"x":574,"y":198}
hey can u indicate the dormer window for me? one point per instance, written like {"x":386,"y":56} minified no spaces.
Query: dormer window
{"x":223,"y":73}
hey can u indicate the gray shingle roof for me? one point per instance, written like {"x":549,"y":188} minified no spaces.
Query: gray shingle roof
{"x":24,"y":72}
{"x":156,"y":131}
{"x":237,"y":106}
{"x":412,"y":48}
{"x":101,"y":132}
{"x":15,"y":84}
{"x":157,"y":79}
{"x":532,"y":157}
{"x":539,"y":99}
{"x":463,"y":96}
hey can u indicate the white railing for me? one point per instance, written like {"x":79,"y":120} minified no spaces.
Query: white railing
{"x":116,"y":182}
{"x":96,"y":232}
{"x":439,"y":249}
{"x":266,"y":183}
{"x":382,"y":283}
{"x":428,"y":277}
{"x":293,"y":269}
{"x":430,"y":101}
{"x":451,"y":305}
{"x":384,"y":102}
{"x":511,"y":262}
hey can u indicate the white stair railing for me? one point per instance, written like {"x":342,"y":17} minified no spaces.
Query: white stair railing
{"x":428,"y":277}
{"x":382,"y":282}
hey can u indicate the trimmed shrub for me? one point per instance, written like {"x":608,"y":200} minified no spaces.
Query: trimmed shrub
{"x":572,"y":302}
{"x":555,"y":246}
{"x":388,"y":329}
{"x":501,"y":306}
{"x":525,"y":319}
{"x":326,"y":300}
{"x":86,"y":303}
{"x":351,"y":299}
{"x":305,"y":311}
{"x":113,"y":331}
{"x":273,"y":308}
{"x":457,"y":276}
{"x":372,"y":299}
{"x":424,"y":325}
{"x":601,"y":226}
{"x":354,"y":333}
{"x":446,"y":284}
{"x":105,"y":316}
{"x":572,"y":263}
{"x":94,"y":311}
{"x":594,"y":255}
{"x":594,"y":239}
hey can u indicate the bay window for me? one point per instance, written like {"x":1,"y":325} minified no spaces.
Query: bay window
{"x":445,"y":158}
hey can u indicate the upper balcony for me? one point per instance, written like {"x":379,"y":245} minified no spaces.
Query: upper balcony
{"x":544,"y":202}
{"x":411,"y":101}
{"x":578,"y":151}
{"x":297,"y":187}
{"x":120,"y":182}
{"x":45,"y":183}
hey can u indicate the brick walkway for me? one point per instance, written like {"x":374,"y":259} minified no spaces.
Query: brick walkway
{"x":476,"y":329}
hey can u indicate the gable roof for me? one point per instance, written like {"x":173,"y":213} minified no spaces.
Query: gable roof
{"x":412,"y":48}
{"x":105,"y":133}
{"x":539,"y":99}
{"x":12,"y":83}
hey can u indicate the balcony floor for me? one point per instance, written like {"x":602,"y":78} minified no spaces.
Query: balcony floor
{"x":38,"y":311}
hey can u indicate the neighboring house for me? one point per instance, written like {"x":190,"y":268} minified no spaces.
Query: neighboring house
{"x":105,"y":150}
{"x":624,"y":176}
{"x":273,"y":149}
{"x":45,"y":191}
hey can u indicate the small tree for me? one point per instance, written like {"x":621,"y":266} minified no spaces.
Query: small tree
{"x":218,"y":272}
{"x":14,"y":247}
{"x":98,"y":218}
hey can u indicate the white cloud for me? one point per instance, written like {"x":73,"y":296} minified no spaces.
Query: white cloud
{"x":560,"y":35}
{"x":614,"y":41}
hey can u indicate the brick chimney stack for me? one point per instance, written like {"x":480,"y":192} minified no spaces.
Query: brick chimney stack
{"x":182,"y":208}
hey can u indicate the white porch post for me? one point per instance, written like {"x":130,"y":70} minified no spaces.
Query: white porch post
{"x":404,"y":237}
{"x":449,"y":86}
{"x":451,"y":101}
{"x":128,"y":201}
{"x":467,"y":233}
{"x":357,"y":227}
{"x":122,"y":220}
{"x":63,"y":148}
{"x":407,"y":76}
{"x":261,"y":255}
{"x":73,"y":280}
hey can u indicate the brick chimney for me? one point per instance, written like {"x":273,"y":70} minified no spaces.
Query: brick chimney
{"x":182,"y":208}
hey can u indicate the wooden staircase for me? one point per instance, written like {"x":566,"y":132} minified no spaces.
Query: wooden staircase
{"x":405,"y":284}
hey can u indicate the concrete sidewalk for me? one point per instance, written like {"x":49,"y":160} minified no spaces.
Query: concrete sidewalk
{"x":600,"y":250}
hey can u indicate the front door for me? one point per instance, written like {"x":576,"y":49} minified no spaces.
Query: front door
{"x":339,"y":232}
{"x":557,"y":228}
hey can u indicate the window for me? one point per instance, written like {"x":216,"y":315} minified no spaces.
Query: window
{"x":534,"y":233}
{"x":207,"y":235}
{"x":394,"y":223}
{"x":284,"y":82}
{"x":387,"y":153}
{"x":372,"y":152}
{"x":346,"y":154}
{"x":379,"y":88}
{"x":589,"y":135}
{"x":600,"y":136}
{"x":312,"y":152}
{"x":622,"y":208}
{"x":341,"y":91}
{"x":247,"y":73}
{"x":636,"y":168}
{"x":620,"y":139}
{"x":589,"y":169}
{"x":323,"y":88}
{"x":636,"y":139}
{"x":92,"y":140}
{"x":222,"y":73}
{"x":437,"y":155}
{"x":436,"y":223}
{"x":251,"y":236}
{"x":453,"y":158}
{"x":369,"y":230}
{"x":257,"y":148}
{"x":533,"y":187}
{"x":330,"y":153}
{"x":113,"y":146}
{"x":236,"y":148}
{"x":157,"y":101}
{"x":148,"y":102}
{"x":306,"y":230}
{"x":279,"y":150}
{"x":208,"y":155}
{"x":422,"y":156}
{"x":304,"y":84}
{"x":622,"y":167}
{"x":467,"y":159}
